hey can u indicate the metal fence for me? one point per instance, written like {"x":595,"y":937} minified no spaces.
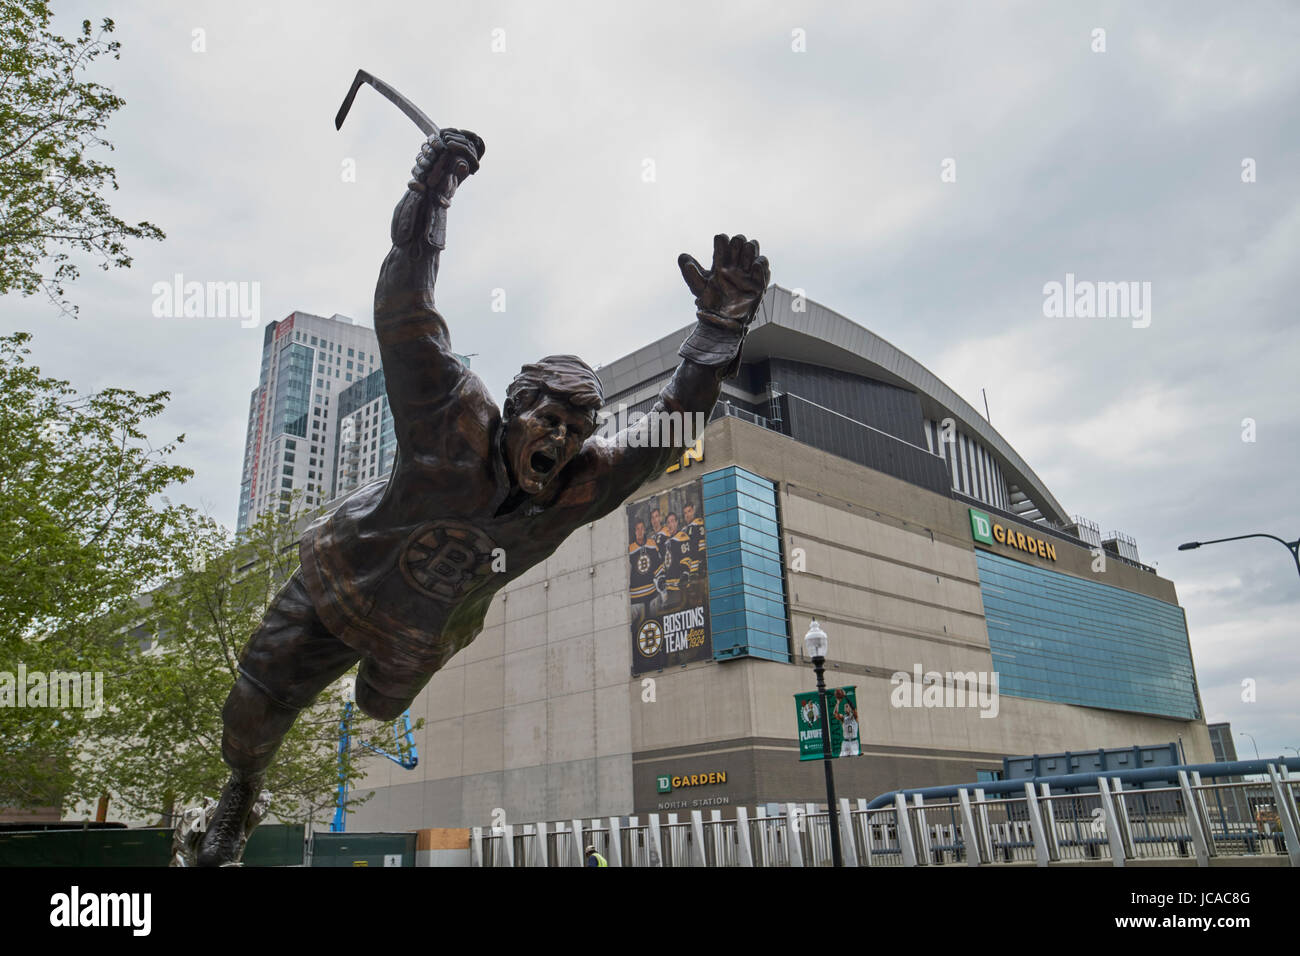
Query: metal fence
{"x":1193,"y":822}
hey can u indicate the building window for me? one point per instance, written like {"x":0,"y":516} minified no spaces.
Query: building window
{"x":747,"y":598}
{"x":1057,"y":637}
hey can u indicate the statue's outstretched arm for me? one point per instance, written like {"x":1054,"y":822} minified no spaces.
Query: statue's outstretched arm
{"x":414,"y":342}
{"x":726,"y":299}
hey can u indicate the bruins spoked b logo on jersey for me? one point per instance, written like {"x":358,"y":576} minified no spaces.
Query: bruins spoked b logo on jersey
{"x":443,"y":559}
{"x":668,"y":579}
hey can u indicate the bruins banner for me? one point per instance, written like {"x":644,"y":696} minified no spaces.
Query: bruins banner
{"x":668,"y":579}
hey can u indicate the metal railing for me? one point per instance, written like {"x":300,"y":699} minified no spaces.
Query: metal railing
{"x":1191,"y":823}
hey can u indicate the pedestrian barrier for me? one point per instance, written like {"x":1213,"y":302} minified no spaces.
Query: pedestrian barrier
{"x":1193,"y":823}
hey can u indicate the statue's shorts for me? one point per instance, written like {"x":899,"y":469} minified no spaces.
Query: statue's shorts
{"x":293,"y":657}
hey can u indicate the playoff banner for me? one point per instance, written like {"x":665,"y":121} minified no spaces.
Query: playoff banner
{"x":842,"y":711}
{"x":668,"y":579}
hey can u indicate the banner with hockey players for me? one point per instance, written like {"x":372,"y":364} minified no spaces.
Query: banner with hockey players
{"x":842,"y":711}
{"x":668,"y":579}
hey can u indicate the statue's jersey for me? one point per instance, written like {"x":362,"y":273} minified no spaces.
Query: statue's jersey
{"x":404,"y":570}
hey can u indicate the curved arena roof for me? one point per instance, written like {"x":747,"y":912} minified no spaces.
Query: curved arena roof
{"x":821,"y":336}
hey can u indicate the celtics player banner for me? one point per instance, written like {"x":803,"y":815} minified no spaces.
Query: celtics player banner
{"x":842,"y":704}
{"x":668,"y":579}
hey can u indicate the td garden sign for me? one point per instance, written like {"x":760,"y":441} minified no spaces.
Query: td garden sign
{"x":988,"y":531}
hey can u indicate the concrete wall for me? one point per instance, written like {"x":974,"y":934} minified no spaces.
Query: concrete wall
{"x":539,"y":718}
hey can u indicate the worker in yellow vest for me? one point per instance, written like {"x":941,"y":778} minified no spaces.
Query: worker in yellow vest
{"x":594,"y":858}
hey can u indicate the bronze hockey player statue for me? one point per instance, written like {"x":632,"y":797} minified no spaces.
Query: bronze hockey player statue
{"x":400,"y":576}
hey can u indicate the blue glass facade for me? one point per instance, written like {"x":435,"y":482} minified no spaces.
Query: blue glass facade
{"x":1065,"y":639}
{"x":293,"y":397}
{"x":747,"y":604}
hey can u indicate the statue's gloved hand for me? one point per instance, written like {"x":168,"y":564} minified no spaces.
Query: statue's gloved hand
{"x":726,"y":298}
{"x":445,"y":161}
{"x":728,"y":294}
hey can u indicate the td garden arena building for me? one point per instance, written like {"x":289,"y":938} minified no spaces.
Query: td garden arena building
{"x":651,"y":663}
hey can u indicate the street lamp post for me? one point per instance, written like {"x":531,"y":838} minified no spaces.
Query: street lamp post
{"x":815,"y":643}
{"x":1292,"y":546}
{"x":1252,"y":740}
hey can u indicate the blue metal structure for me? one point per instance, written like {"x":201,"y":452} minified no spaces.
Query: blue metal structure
{"x":1073,"y":781}
{"x":407,"y":757}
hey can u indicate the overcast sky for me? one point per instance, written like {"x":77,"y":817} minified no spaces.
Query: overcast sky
{"x":1122,"y":165}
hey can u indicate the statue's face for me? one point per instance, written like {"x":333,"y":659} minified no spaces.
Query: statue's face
{"x":542,"y":439}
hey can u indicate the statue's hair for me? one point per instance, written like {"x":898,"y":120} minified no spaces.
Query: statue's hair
{"x":565,"y":377}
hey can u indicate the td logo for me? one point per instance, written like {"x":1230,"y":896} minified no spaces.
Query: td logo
{"x":981,"y":528}
{"x":665,"y":783}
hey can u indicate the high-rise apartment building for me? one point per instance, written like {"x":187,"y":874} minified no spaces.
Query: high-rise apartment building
{"x":366,"y":446}
{"x":308,"y":363}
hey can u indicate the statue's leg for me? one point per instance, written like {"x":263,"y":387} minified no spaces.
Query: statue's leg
{"x":385,"y":690}
{"x":289,"y":660}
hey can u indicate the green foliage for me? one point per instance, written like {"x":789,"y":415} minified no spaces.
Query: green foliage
{"x":51,"y":184}
{"x":100,"y":574}
{"x":79,"y":529}
{"x":159,"y":745}
{"x":81,"y":532}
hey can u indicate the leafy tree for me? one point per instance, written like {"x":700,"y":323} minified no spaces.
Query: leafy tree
{"x":159,"y":746}
{"x":99,"y":574}
{"x":51,"y":125}
{"x":82,"y":530}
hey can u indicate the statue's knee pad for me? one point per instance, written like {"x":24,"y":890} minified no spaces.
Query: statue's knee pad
{"x":384,"y":692}
{"x":377,"y":705}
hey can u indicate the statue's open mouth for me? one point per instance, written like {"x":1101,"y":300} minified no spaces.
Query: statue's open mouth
{"x":542,"y":462}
